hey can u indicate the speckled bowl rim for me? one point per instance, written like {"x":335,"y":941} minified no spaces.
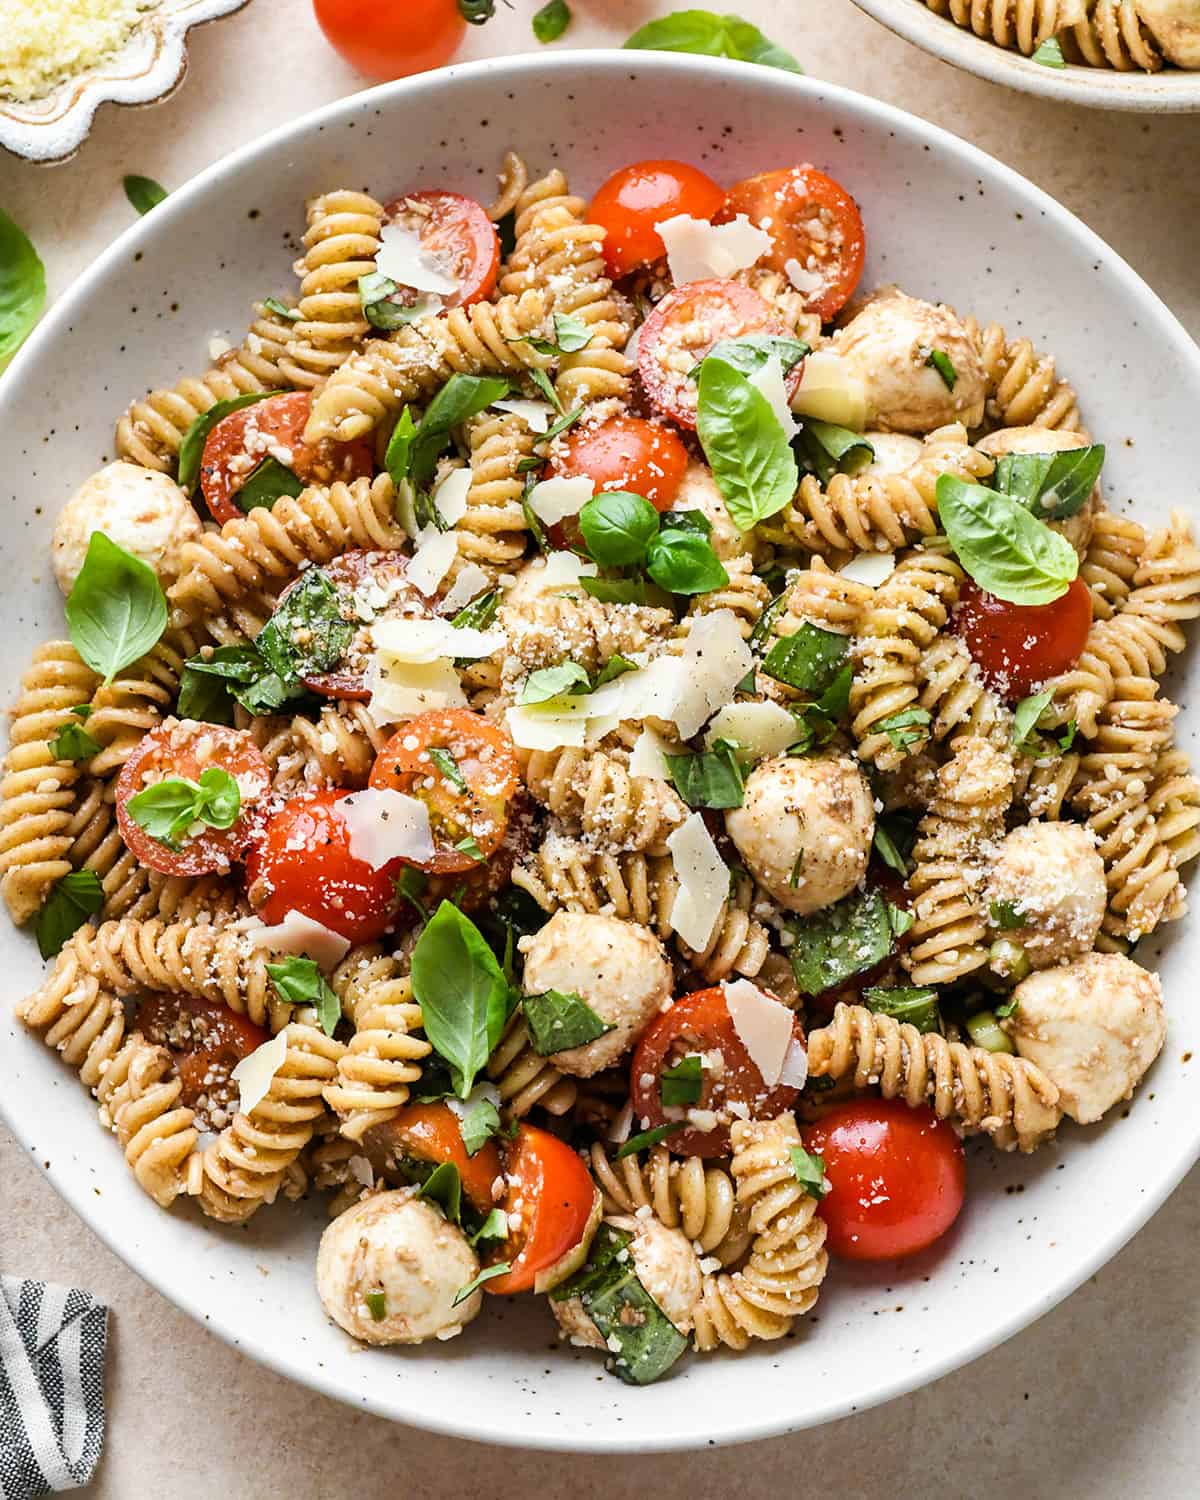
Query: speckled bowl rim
{"x":1171,"y":91}
{"x":743,"y":1424}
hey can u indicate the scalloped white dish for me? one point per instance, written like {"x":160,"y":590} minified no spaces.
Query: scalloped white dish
{"x":149,"y":65}
{"x":938,"y":214}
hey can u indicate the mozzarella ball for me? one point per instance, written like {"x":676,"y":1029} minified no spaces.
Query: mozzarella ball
{"x":139,"y":509}
{"x":805,"y":828}
{"x":1054,"y":877}
{"x":667,"y":1267}
{"x":1077,"y":528}
{"x":699,"y":491}
{"x":1093,"y":1027}
{"x":895,"y":453}
{"x":888,"y":345}
{"x":1175,"y":26}
{"x":400,"y":1246}
{"x":618,"y":968}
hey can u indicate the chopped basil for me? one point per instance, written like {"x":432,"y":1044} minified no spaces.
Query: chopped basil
{"x":1026,"y":715}
{"x":1050,"y":53}
{"x":480,"y":613}
{"x":376,"y":1305}
{"x":762,"y":626}
{"x":544,"y":385}
{"x":817,"y":722}
{"x":307,"y":634}
{"x":808,"y":661}
{"x":746,"y":447}
{"x":708,"y":778}
{"x":552,"y":682}
{"x":397,"y":458}
{"x":210,"y":684}
{"x":616,"y":666}
{"x":570,"y":335}
{"x":386,"y":305}
{"x":462,"y":992}
{"x":899,"y":919}
{"x":273,"y":305}
{"x":168,"y":808}
{"x":191,"y":449}
{"x":73,"y":742}
{"x":116,"y":610}
{"x":413,"y":451}
{"x":1006,"y":915}
{"x":1050,"y":485}
{"x":647,"y":1139}
{"x":513,"y":914}
{"x":1004,"y":548}
{"x":824,"y":449}
{"x":72,"y":900}
{"x":911,"y":1005}
{"x":494,"y":1227}
{"x":839,"y":941}
{"x":568,"y":419}
{"x":617,"y":528}
{"x":904,"y":729}
{"x":711,"y":35}
{"x":558,"y":1022}
{"x":1007,"y":1008}
{"x":22,"y":287}
{"x":300,"y":982}
{"x":443,"y":1186}
{"x":644,"y":1341}
{"x":752,"y":351}
{"x":143,"y":192}
{"x":683,"y":1083}
{"x":551,"y":21}
{"x":1067,"y":738}
{"x":797,"y":871}
{"x":616,"y":590}
{"x":938,"y":360}
{"x":470,"y":845}
{"x":448,"y":766}
{"x":810,"y":1171}
{"x":488,"y":1273}
{"x":269,"y":481}
{"x":532,"y":521}
{"x":479,"y":1125}
{"x":894,"y":837}
{"x":683,"y":562}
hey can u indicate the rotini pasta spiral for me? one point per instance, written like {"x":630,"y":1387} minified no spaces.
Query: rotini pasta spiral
{"x":139,"y":1101}
{"x":686,"y":1193}
{"x":1041,"y":786}
{"x":1023,"y":386}
{"x":511,"y":183}
{"x":1022,"y":24}
{"x":337,"y":748}
{"x":956,"y":697}
{"x":594,"y":791}
{"x":139,"y":698}
{"x":493,"y":533}
{"x":549,"y":628}
{"x":825,"y":599}
{"x":1110,"y":561}
{"x":75,"y":1017}
{"x":1113,"y":35}
{"x":383,"y":1056}
{"x":1175,"y":802}
{"x":525,"y":1078}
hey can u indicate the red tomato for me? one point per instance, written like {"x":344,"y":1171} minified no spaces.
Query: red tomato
{"x":457,"y":233}
{"x":183,"y":748}
{"x":640,"y":196}
{"x":471,"y":889}
{"x":431,"y":1132}
{"x":1020,"y":645}
{"x":812,"y":220}
{"x":897,"y":1177}
{"x":301,"y":861}
{"x":424,"y":758}
{"x":207,"y":1038}
{"x":684,"y":327}
{"x":700,"y":1022}
{"x":392,"y":40}
{"x":549,"y":1187}
{"x":239,"y":443}
{"x":623,"y":453}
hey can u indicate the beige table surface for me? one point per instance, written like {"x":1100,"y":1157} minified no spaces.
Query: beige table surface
{"x":1098,"y":1400}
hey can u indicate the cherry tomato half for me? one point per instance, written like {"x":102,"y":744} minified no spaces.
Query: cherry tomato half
{"x":897,"y":1177}
{"x":640,"y":196}
{"x":273,"y":428}
{"x":463,"y":767}
{"x":431,"y":1132}
{"x":622,"y":453}
{"x":456,"y":233}
{"x":1020,"y":645}
{"x":699,"y":1023}
{"x":812,"y":221}
{"x":184,"y":748}
{"x":550,"y":1189}
{"x":301,"y":861}
{"x":392,"y":40}
{"x":684,"y":327}
{"x":207,"y":1039}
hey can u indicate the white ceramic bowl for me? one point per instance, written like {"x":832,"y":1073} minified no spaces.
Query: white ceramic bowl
{"x":942,"y":219}
{"x":1174,"y":90}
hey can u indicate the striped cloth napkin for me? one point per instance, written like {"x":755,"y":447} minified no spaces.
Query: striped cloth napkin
{"x":52,"y":1341}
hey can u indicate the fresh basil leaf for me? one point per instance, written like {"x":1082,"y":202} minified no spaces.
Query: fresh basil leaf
{"x":386,"y":305}
{"x":711,"y":35}
{"x":544,"y":384}
{"x":683,"y":1083}
{"x":22,"y":287}
{"x":568,"y":419}
{"x":1006,"y":550}
{"x":72,"y":900}
{"x":683,"y":562}
{"x":480,"y":1123}
{"x":1052,"y":486}
{"x":376,"y":1305}
{"x":899,"y":920}
{"x":685,"y":520}
{"x":480,"y":613}
{"x":116,"y":610}
{"x":746,"y":448}
{"x":73,"y":742}
{"x":839,"y":941}
{"x":648,"y":1139}
{"x":462,"y":992}
{"x":617,"y":528}
{"x":143,"y":193}
{"x":1050,"y":53}
{"x":211,"y":683}
{"x":558,"y":1022}
{"x":168,"y":808}
{"x":411,"y":885}
{"x":893,"y":840}
{"x":810,"y":1171}
{"x":299,"y":981}
{"x":512,"y":915}
{"x":552,"y":682}
{"x":825,"y":449}
{"x":616,"y":666}
{"x":307,"y":634}
{"x":1007,"y":1008}
{"x":1026,"y":715}
{"x":191,"y":449}
{"x":911,"y":1005}
{"x":462,"y":397}
{"x":644,"y":1341}
{"x":905,"y":728}
{"x":489,"y":1273}
{"x":443,"y":1186}
{"x":397,"y":459}
{"x":808,"y":661}
{"x":710,"y":778}
{"x":266,"y":484}
{"x":615,"y":590}
{"x":752,"y":351}
{"x":570,"y":335}
{"x":940,"y":361}
{"x":281,"y":310}
{"x":551,"y":21}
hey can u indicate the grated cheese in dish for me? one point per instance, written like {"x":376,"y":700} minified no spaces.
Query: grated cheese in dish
{"x":44,"y":43}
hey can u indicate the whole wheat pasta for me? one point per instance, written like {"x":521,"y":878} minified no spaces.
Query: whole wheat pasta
{"x":695,"y":1196}
{"x":524,"y":1078}
{"x":382,"y":1057}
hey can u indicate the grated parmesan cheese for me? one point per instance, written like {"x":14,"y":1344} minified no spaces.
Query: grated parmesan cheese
{"x":44,"y":43}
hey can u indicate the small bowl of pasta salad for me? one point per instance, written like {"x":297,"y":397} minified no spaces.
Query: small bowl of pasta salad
{"x":608,"y":772}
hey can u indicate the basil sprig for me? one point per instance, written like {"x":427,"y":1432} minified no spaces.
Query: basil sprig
{"x":617,"y":528}
{"x":143,"y":192}
{"x":72,"y":901}
{"x":307,"y":635}
{"x":210,"y":685}
{"x":709,"y":778}
{"x":557,"y":1022}
{"x":1005,"y":549}
{"x":414,"y":448}
{"x":683,"y":562}
{"x":462,"y":991}
{"x":711,"y":35}
{"x":622,"y":530}
{"x":22,"y":287}
{"x":266,"y":484}
{"x":300,"y":982}
{"x":1050,"y":485}
{"x":191,"y":449}
{"x":168,"y":808}
{"x":116,"y":610}
{"x":912,"y":1005}
{"x":683,"y":1082}
{"x":746,"y":447}
{"x":841,"y":940}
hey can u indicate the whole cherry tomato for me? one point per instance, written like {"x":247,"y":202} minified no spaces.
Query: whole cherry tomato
{"x":622,"y":453}
{"x":394,"y":38}
{"x":638,"y":197}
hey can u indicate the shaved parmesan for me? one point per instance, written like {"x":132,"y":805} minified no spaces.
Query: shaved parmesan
{"x":647,"y":756}
{"x":403,"y":257}
{"x":618,"y":1131}
{"x":802,"y":279}
{"x":794,"y":1073}
{"x":715,"y":659}
{"x":385,"y":825}
{"x":764,"y":1026}
{"x":554,"y":499}
{"x":406,"y":639}
{"x":651,"y":692}
{"x":303,"y":936}
{"x":431,"y":561}
{"x":768,"y":378}
{"x":831,"y":391}
{"x":400,"y":689}
{"x":537,"y":415}
{"x":560,"y":570}
{"x":871,"y":568}
{"x":703,"y":882}
{"x":254,"y":1073}
{"x":699,"y":251}
{"x":758,"y":729}
{"x":535,"y":728}
{"x":450,"y":497}
{"x":471,"y":582}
